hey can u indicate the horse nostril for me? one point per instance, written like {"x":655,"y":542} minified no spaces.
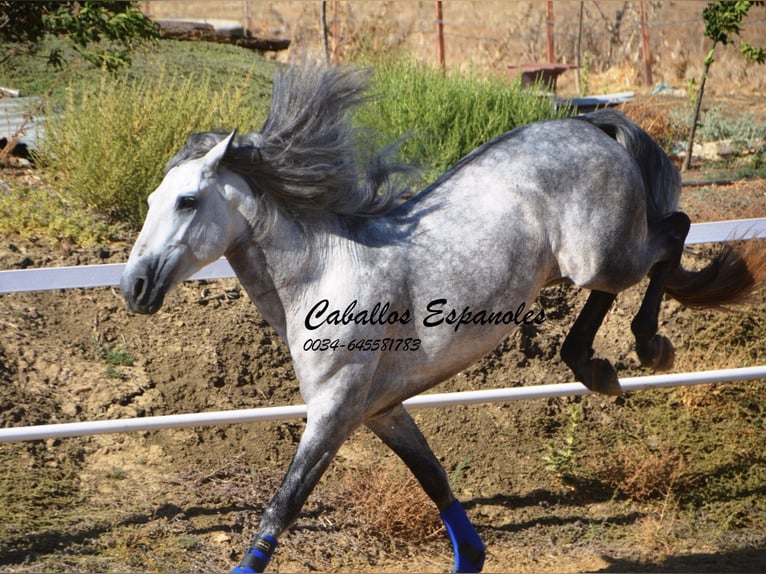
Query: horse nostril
{"x":139,"y":287}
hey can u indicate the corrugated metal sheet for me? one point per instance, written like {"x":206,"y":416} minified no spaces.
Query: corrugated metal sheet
{"x":14,"y":112}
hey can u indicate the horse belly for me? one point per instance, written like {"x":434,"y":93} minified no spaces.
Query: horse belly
{"x":471,"y":277}
{"x":451,"y":334}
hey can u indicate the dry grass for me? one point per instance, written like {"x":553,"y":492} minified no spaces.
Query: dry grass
{"x":642,"y":472}
{"x":652,"y":114}
{"x":392,"y":506}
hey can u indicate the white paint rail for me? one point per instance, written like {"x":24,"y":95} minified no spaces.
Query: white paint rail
{"x":431,"y":400}
{"x":24,"y":280}
{"x":82,"y":276}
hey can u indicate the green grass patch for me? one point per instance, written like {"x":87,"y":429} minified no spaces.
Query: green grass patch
{"x":114,"y":357}
{"x":118,"y":357}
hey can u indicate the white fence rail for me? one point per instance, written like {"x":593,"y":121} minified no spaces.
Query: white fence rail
{"x":430,"y":400}
{"x":108,"y":275}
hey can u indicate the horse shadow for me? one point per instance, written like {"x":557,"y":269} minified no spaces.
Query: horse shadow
{"x":22,"y":548}
{"x":550,"y":499}
{"x":745,"y":560}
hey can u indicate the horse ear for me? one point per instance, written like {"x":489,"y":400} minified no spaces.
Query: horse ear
{"x":215,"y":155}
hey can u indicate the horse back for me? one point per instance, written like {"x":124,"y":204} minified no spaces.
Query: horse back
{"x":562,"y":195}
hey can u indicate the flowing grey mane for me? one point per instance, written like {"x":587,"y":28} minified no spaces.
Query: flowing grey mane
{"x":308,"y":156}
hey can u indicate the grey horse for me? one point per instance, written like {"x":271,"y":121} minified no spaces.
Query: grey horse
{"x":380,"y":298}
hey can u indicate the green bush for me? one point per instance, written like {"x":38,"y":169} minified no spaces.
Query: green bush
{"x":109,"y":146}
{"x":448,"y":116}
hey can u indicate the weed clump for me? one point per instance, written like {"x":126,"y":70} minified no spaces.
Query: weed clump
{"x":392,"y":508}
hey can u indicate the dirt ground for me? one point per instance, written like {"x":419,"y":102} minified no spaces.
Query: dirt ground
{"x":190,"y":499}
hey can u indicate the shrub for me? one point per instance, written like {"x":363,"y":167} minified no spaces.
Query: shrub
{"x":446,"y":117}
{"x":392,"y":507}
{"x":109,"y":146}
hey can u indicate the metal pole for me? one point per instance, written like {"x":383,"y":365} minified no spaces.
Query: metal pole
{"x":433,"y":400}
{"x":440,"y":35}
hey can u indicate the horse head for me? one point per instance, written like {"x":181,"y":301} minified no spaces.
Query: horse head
{"x":192,"y":221}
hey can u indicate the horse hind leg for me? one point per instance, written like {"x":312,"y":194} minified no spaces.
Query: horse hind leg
{"x":400,"y":433}
{"x":653,"y":350}
{"x":577,"y":351}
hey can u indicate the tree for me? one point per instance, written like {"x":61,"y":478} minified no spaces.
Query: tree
{"x":723,"y":20}
{"x":103,"y":33}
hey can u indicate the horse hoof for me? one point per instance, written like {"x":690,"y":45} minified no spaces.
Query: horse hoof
{"x":666,"y":356}
{"x":604,"y":378}
{"x":657,"y":354}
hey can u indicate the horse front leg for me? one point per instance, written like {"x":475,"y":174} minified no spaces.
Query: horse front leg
{"x":400,"y":433}
{"x":325,"y":431}
{"x":577,"y":351}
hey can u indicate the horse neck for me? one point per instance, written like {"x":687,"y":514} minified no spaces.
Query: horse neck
{"x":273,"y":268}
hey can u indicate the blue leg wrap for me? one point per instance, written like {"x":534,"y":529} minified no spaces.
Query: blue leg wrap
{"x":466,"y":544}
{"x":258,"y":556}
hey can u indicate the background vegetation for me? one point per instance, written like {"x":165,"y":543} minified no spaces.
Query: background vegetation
{"x":111,"y":135}
{"x":102,"y":33}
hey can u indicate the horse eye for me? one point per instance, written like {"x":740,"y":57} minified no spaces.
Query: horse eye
{"x":187,"y":202}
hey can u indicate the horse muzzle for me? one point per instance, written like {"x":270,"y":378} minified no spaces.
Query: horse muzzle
{"x":142,"y":292}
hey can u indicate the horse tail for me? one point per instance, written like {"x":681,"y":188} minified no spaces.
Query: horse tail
{"x":731,"y":278}
{"x":662,"y":181}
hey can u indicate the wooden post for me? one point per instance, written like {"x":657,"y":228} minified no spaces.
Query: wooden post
{"x":578,"y":61}
{"x":335,"y":25}
{"x":248,"y":18}
{"x":549,"y":31}
{"x":645,"y":45}
{"x":440,"y":35}
{"x":323,"y":26}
